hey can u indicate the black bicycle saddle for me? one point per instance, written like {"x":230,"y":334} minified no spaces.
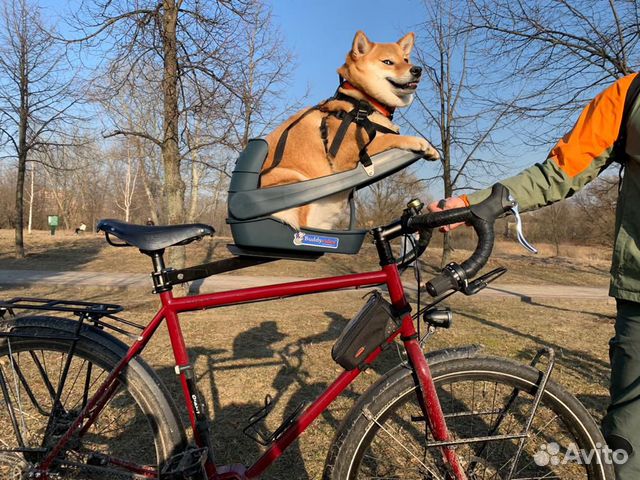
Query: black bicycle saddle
{"x":150,"y":237}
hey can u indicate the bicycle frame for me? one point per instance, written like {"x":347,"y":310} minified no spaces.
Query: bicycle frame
{"x":172,"y":306}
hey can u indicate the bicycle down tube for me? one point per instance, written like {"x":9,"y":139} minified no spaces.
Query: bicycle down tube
{"x":172,"y":306}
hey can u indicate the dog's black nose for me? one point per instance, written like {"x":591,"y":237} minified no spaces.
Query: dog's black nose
{"x":416,"y":71}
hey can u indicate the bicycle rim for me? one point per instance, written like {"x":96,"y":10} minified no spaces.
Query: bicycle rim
{"x":477,"y":398}
{"x":33,"y":373}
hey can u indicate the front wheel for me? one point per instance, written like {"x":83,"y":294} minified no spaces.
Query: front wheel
{"x":385,"y":434}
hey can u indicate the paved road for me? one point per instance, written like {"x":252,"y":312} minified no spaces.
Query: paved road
{"x":528,"y":293}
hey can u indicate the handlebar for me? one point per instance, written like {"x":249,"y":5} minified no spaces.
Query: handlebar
{"x":481,"y":217}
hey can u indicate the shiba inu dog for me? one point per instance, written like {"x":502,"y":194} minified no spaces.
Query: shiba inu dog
{"x":348,"y":128}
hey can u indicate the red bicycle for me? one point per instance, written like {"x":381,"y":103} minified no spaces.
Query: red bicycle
{"x":79,"y":403}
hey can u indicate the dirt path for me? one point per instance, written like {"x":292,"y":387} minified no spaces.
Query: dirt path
{"x":527,"y":293}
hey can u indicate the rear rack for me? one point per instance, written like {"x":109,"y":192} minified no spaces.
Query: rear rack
{"x":91,"y":311}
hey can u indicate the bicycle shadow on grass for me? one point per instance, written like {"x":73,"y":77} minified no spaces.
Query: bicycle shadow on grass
{"x":263,"y":345}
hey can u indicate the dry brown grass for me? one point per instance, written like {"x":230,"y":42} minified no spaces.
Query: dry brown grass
{"x":587,"y":266}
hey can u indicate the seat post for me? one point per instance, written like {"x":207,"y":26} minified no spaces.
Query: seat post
{"x":160,"y":281}
{"x":158,"y":260}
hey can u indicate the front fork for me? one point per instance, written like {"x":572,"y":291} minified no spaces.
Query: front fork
{"x":429,"y":401}
{"x":430,"y":405}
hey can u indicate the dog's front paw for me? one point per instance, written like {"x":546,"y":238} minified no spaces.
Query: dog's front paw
{"x":424,"y":147}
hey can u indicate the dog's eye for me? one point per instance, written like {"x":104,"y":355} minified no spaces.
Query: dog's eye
{"x":387,"y":62}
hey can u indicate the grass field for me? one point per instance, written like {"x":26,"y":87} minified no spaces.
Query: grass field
{"x":89,"y":252}
{"x":282,"y":348}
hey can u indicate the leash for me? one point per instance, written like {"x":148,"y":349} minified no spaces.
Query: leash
{"x":358,"y":115}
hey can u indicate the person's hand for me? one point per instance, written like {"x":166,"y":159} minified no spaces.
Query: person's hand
{"x":448,"y":204}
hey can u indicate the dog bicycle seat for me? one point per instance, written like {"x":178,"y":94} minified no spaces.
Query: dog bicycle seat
{"x":152,"y":238}
{"x":256,"y":232}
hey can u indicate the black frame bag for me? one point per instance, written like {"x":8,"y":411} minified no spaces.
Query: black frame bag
{"x":368,"y":330}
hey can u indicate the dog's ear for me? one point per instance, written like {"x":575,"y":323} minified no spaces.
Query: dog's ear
{"x":361,"y":44}
{"x":406,"y":43}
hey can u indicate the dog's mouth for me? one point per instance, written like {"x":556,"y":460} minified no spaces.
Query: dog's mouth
{"x":408,"y":87}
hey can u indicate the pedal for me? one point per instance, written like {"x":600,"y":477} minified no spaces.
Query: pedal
{"x":256,"y":430}
{"x":187,"y":465}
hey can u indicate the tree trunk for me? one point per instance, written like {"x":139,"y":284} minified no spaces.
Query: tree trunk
{"x":22,"y":161}
{"x":174,"y":186}
{"x":447,"y":245}
{"x":31,"y":193}
{"x":152,"y":199}
{"x":195,"y":173}
{"x":22,"y":150}
{"x":195,"y":190}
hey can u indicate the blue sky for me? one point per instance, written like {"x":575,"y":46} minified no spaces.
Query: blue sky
{"x":320,"y":33}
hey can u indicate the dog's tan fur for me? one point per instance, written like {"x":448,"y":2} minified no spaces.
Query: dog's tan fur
{"x":305,"y":157}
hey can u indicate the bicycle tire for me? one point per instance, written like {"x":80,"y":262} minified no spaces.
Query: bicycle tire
{"x":140,"y":423}
{"x":383,"y":436}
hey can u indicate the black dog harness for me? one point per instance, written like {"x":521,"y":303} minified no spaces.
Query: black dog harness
{"x":358,"y":115}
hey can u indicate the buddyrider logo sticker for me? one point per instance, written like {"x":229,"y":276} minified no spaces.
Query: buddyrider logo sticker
{"x":301,"y":238}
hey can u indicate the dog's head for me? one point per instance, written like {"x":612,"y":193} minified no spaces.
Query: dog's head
{"x":383,"y":70}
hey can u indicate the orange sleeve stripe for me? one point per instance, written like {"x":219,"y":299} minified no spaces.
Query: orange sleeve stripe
{"x":596,"y":130}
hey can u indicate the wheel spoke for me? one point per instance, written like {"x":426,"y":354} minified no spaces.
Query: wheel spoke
{"x":34,"y":372}
{"x":486,"y":399}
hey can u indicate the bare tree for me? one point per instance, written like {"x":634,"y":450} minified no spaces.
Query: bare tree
{"x":31,"y":196}
{"x":261,"y":70}
{"x":597,"y":204}
{"x":65,"y":169}
{"x":139,"y":107}
{"x":382,"y":201}
{"x":189,"y":42}
{"x":36,"y":93}
{"x":125,"y":168}
{"x":264,"y":67}
{"x":457,"y":121}
{"x":559,"y":53}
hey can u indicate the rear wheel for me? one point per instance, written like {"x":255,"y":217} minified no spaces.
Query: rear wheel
{"x":137,"y":431}
{"x":385,"y":435}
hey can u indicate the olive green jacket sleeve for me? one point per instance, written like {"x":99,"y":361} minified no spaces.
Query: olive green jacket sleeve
{"x":578,"y":158}
{"x":545,"y":183}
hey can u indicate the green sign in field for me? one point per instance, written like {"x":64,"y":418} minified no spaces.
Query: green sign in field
{"x":53,"y":221}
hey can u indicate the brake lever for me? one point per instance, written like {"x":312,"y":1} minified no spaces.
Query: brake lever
{"x":516,"y":213}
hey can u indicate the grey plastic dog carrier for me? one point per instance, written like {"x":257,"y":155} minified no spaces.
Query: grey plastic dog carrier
{"x":256,"y":232}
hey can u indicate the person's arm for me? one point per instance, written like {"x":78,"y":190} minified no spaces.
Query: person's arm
{"x":578,"y":158}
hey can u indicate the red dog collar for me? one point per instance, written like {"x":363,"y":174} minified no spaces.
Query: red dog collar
{"x":383,"y":109}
